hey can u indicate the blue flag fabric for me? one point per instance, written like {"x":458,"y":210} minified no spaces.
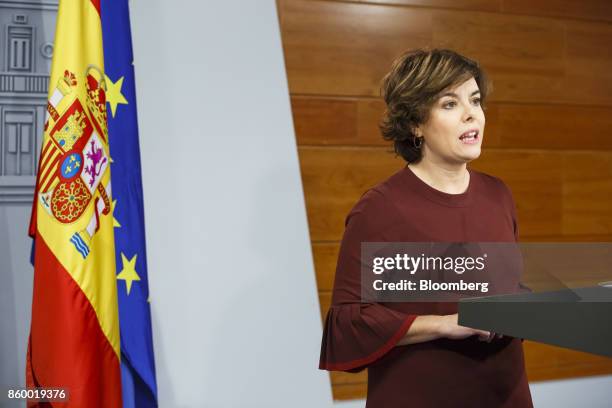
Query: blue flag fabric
{"x":137,"y":357}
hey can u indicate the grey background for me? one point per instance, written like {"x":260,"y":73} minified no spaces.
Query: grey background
{"x":26,"y":37}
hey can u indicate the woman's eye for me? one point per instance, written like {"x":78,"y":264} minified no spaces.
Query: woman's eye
{"x":449,"y":104}
{"x":476,"y":101}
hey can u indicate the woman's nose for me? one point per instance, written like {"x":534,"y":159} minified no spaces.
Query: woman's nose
{"x":468,"y":113}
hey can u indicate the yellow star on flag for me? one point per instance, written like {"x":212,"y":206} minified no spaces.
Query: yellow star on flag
{"x":115,"y":222}
{"x":128,"y":272}
{"x":113,"y":94}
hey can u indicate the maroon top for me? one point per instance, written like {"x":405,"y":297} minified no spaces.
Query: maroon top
{"x":439,"y":373}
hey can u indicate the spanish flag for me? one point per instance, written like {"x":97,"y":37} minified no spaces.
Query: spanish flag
{"x":74,"y":337}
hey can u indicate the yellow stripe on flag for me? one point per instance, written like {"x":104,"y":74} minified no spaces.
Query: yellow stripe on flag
{"x":78,"y":224}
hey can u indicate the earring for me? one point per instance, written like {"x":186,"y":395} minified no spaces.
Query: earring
{"x":417,"y":142}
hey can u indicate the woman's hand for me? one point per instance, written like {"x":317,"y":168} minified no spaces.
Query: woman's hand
{"x":431,"y":327}
{"x":450,"y":328}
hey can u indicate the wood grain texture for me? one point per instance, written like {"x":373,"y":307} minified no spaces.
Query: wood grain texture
{"x":324,"y":302}
{"x":583,"y":9}
{"x":333,"y":181}
{"x":588,"y":62}
{"x":535,"y":179}
{"x":325,"y":256}
{"x":335,"y":178}
{"x":336,"y":121}
{"x":587,"y":193}
{"x":550,"y":127}
{"x":470,"y":5}
{"x":544,"y":362}
{"x":344,"y":49}
{"x":350,"y":391}
{"x":524,"y":56}
{"x":556,"y":192}
{"x":340,"y":377}
{"x":597,"y":10}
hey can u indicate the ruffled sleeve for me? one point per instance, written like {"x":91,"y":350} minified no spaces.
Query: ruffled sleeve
{"x":356,"y":334}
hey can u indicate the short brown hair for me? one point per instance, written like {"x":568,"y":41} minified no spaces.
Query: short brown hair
{"x":415,"y":81}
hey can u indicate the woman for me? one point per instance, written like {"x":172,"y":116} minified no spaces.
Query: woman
{"x":416,"y":353}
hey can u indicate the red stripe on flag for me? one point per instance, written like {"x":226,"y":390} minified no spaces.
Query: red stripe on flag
{"x":50,"y":174}
{"x":48,"y":185}
{"x":67,"y":346}
{"x":96,"y":4}
{"x":52,"y":111}
{"x":32,"y":226}
{"x":47,"y":157}
{"x":46,"y":148}
{"x":97,"y":125}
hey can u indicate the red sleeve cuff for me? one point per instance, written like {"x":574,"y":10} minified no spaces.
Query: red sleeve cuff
{"x":359,"y":364}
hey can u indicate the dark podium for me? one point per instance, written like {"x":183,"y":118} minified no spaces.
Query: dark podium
{"x":579,"y":319}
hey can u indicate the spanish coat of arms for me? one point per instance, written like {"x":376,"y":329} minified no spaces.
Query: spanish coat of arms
{"x":75,"y":155}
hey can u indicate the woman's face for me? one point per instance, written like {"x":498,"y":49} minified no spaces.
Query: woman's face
{"x":454,"y":130}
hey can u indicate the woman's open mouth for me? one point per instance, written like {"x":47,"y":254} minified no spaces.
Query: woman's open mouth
{"x":470,"y":137}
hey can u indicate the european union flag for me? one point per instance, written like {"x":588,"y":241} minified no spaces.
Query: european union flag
{"x":137,"y":358}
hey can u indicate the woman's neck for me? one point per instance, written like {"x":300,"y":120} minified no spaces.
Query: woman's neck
{"x":450,"y":179}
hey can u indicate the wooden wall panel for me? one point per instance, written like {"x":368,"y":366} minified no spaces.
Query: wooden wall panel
{"x":339,"y":377}
{"x":471,"y":5}
{"x":339,"y":121}
{"x":343,"y":383}
{"x":597,"y":10}
{"x":556,"y":192}
{"x":550,"y":127}
{"x":587,"y":193}
{"x":334,"y":179}
{"x":325,"y":302}
{"x":544,"y":362}
{"x":525,"y":57}
{"x":583,"y":9}
{"x":333,"y":183}
{"x":325,"y":256}
{"x":344,"y":49}
{"x":536,"y":181}
{"x":350,"y":391}
{"x":588,"y":62}
{"x":548,"y":120}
